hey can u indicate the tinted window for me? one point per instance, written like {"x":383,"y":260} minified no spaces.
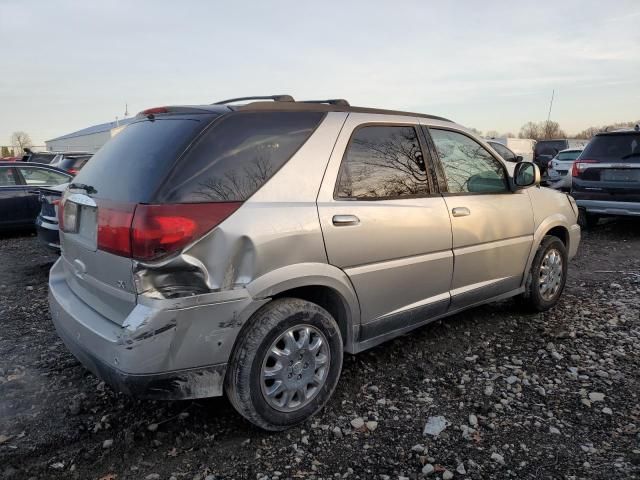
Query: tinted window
{"x":40,"y":176}
{"x":468,"y":167}
{"x":383,"y":162}
{"x":613,"y":148}
{"x":237,"y":156}
{"x":503,"y":151}
{"x":73,"y":163}
{"x":7,"y":177}
{"x":550,"y":147}
{"x":131,"y":166}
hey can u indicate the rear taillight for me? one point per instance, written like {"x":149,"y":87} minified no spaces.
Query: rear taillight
{"x":73,"y":171}
{"x":114,"y":227}
{"x":150,"y":232}
{"x":580,"y":166}
{"x":61,"y":214}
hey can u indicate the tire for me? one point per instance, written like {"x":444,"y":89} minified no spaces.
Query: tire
{"x":587,"y":220}
{"x":536,"y":297}
{"x":253,"y":357}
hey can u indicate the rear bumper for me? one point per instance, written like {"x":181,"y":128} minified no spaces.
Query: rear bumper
{"x":48,"y":233}
{"x":606,"y":207}
{"x":166,"y":353}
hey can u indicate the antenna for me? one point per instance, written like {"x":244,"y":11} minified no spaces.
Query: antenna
{"x":551,"y":105}
{"x":126,"y":110}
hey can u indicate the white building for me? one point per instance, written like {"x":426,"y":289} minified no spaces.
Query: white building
{"x":88,"y":139}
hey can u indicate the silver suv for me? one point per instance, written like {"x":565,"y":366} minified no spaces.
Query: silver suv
{"x":243,"y":248}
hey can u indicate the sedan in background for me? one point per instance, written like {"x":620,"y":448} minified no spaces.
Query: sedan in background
{"x":47,"y":221}
{"x":559,"y":169}
{"x":19,"y":194}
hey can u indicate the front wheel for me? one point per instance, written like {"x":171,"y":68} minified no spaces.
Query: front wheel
{"x":548,"y":275}
{"x":286,"y":364}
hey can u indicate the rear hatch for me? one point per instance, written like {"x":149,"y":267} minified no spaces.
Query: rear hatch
{"x":609,"y":168}
{"x":545,"y":150}
{"x":98,"y":207}
{"x":158,"y":187}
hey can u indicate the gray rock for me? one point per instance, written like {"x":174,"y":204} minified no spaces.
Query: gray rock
{"x":496,"y":457}
{"x":107,"y":443}
{"x":596,"y":397}
{"x":428,"y":469}
{"x":357,"y":423}
{"x":435,"y":425}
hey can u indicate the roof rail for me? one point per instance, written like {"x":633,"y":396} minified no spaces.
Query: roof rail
{"x":275,"y":98}
{"x":333,"y":101}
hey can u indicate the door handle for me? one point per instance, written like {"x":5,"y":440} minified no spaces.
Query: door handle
{"x":345,"y":220}
{"x":460,"y":212}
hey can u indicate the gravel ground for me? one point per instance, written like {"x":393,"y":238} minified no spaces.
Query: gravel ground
{"x":552,"y":395}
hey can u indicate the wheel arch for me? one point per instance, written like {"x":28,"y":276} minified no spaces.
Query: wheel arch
{"x":555,"y":225}
{"x":322,"y":284}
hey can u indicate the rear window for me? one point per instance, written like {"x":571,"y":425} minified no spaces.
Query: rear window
{"x":73,"y":162}
{"x":624,"y":147}
{"x":569,"y":155}
{"x":550,"y":147}
{"x":237,"y":156}
{"x":131,"y":166}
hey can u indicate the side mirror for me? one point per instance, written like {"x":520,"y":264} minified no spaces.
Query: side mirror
{"x":518,"y":158}
{"x":526,"y":174}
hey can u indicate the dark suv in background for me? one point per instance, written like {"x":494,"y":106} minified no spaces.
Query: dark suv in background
{"x":546,"y":150}
{"x":606,"y":176}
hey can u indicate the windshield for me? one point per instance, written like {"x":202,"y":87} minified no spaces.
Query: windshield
{"x":569,"y":155}
{"x":624,"y":147}
{"x":130,"y":166}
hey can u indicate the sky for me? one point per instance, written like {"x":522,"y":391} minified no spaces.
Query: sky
{"x":491,"y":65}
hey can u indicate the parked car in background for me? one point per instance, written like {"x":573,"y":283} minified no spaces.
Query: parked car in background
{"x":505,"y":152}
{"x":38,"y":157}
{"x":19,"y":198}
{"x":10,"y":159}
{"x":606,"y":176}
{"x":243,"y":248}
{"x":72,"y":162}
{"x":559,"y":169}
{"x":47,"y":221}
{"x":545,"y":150}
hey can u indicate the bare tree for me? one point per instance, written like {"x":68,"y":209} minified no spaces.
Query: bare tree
{"x":19,"y":141}
{"x":551,"y":129}
{"x":493,"y":134}
{"x":530,"y":130}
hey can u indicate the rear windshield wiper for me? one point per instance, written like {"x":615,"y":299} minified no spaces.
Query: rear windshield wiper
{"x":634,"y":154}
{"x":82,"y":186}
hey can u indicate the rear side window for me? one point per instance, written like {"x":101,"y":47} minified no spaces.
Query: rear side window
{"x":383,"y":162}
{"x":613,"y":148}
{"x":7,"y":177}
{"x":469,"y":168}
{"x":237,"y":155}
{"x":131,"y":166}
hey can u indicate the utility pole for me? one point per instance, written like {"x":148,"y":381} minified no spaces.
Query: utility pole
{"x":546,"y":127}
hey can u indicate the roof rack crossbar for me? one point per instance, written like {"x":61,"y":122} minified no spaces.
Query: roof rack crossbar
{"x":332,"y":101}
{"x":275,"y":98}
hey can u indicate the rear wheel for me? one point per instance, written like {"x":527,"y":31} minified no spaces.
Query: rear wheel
{"x":587,"y":220}
{"x":286,"y":364}
{"x":547,"y":277}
